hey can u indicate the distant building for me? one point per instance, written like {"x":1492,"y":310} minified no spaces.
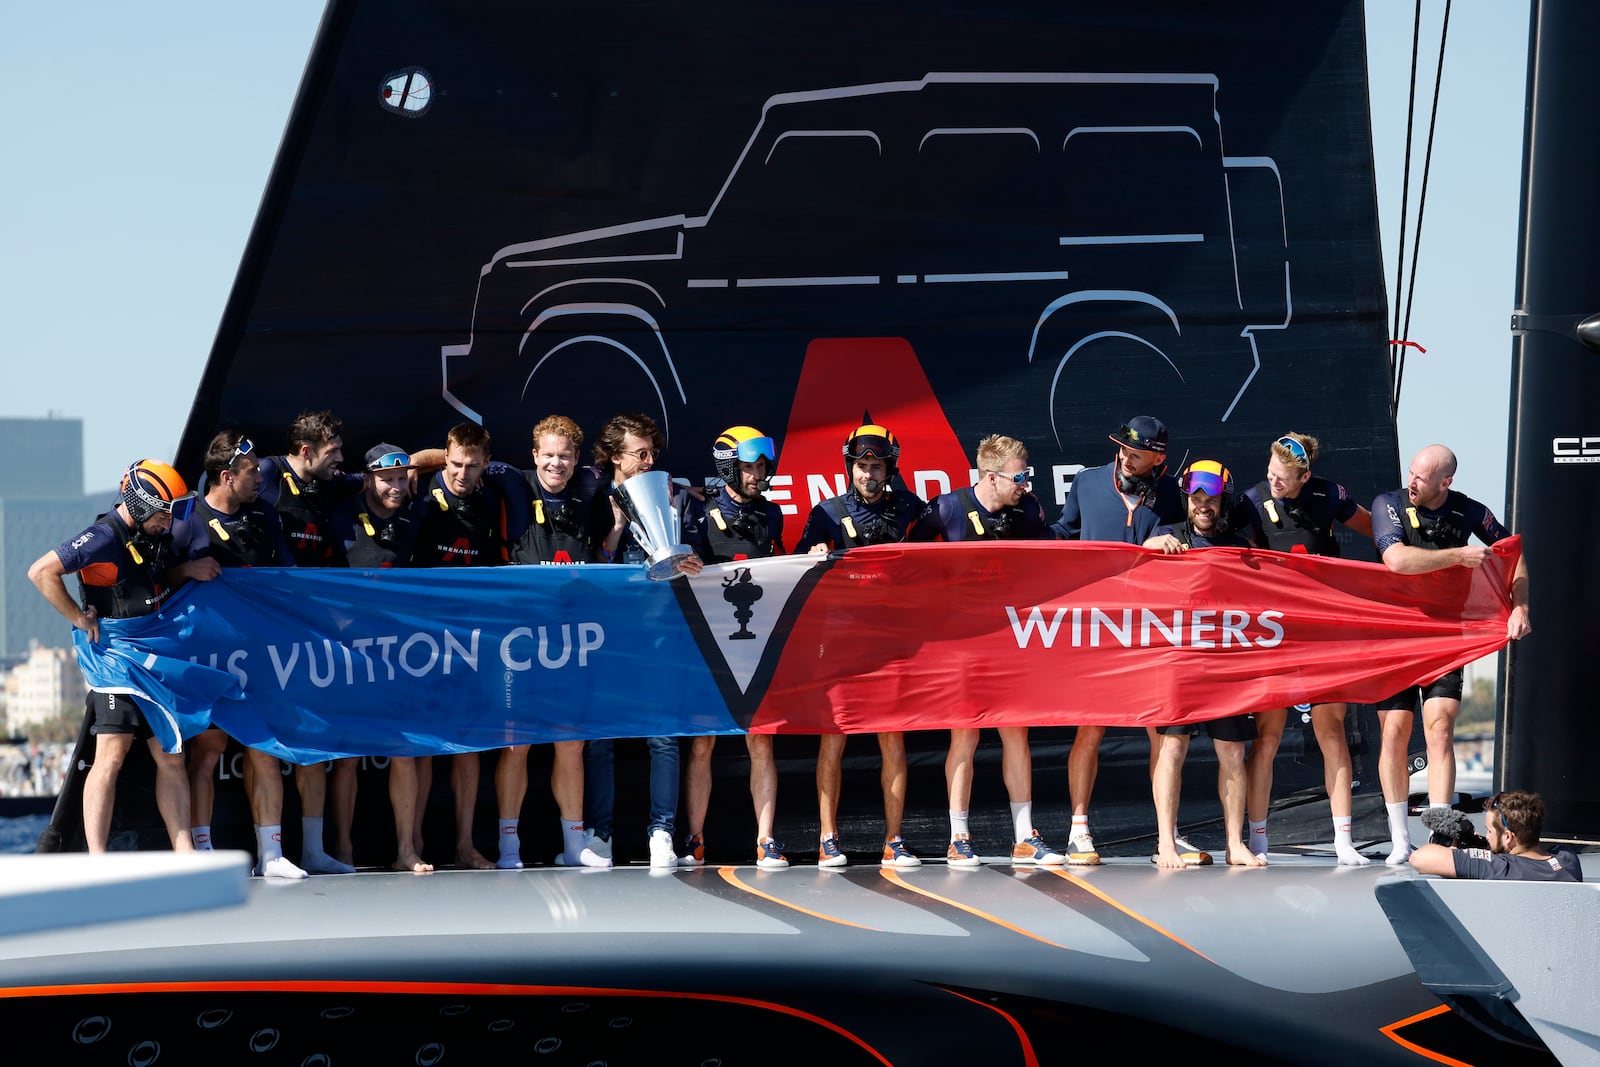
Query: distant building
{"x":41,"y":504}
{"x":46,"y":684}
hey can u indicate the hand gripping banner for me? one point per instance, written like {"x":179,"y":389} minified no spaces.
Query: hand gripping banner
{"x":315,"y":664}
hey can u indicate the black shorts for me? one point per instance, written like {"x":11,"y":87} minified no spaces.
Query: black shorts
{"x":1449,"y":687}
{"x":1229,"y":728}
{"x":118,"y":713}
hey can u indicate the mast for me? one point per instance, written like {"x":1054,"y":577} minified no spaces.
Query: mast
{"x":1549,"y":732}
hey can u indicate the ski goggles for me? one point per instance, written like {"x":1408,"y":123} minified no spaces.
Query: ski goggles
{"x":751,"y":449}
{"x":1205,"y":476}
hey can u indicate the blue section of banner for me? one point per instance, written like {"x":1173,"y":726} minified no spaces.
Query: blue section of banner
{"x":317,"y":664}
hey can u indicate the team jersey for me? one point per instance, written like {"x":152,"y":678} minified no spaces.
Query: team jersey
{"x":960,"y":516}
{"x":1562,"y":866}
{"x":721,"y":529}
{"x":305,"y":507}
{"x":120,"y":575}
{"x":847,"y":521}
{"x":1396,"y":521}
{"x":1097,"y":510}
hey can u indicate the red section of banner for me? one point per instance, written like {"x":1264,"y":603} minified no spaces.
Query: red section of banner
{"x":841,"y":379}
{"x":909,"y":637}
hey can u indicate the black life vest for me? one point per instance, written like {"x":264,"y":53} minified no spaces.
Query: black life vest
{"x":458,"y":531}
{"x":984,"y":525}
{"x":138,"y":590}
{"x":238,"y":540}
{"x":740,"y":533}
{"x":381,"y":542}
{"x":860,"y":526}
{"x":1304,"y":524}
{"x":304,"y":508}
{"x":1445,"y":528}
{"x":558,"y":528}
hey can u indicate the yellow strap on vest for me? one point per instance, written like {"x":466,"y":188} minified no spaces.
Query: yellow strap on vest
{"x":216,"y":528}
{"x":1272,"y":512}
{"x":1416,"y":523}
{"x":288,"y":478}
{"x":366,"y":524}
{"x":438,"y":494}
{"x":849,"y":527}
{"x":716,"y":515}
{"x":134,"y":552}
{"x":977,"y":523}
{"x":538,"y":511}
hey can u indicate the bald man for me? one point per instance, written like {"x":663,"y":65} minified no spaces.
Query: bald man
{"x":1426,"y":527}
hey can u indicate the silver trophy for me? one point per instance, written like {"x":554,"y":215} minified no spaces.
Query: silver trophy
{"x":646,"y":500}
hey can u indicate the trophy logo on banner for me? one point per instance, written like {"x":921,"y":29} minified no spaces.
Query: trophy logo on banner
{"x":646,"y":501}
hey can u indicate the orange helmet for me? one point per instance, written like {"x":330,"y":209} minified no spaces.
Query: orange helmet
{"x":150,"y":486}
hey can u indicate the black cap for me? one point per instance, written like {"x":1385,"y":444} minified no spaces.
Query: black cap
{"x":388,"y":457}
{"x":1144,"y":432}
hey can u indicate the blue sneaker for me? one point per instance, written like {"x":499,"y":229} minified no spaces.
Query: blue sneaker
{"x":1032,"y":850}
{"x":896,"y":854}
{"x":769,"y":855}
{"x":960,"y":853}
{"x":829,"y":854}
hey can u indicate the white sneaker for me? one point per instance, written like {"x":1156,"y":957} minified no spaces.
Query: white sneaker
{"x":596,"y":852}
{"x":661,"y":854}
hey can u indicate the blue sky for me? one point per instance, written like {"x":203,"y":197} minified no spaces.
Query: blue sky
{"x":139,"y":138}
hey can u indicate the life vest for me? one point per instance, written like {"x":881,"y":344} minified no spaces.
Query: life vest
{"x":138,"y":589}
{"x":238,"y":540}
{"x":304,"y":508}
{"x":559,"y":530}
{"x":861,"y":526}
{"x":458,"y":531}
{"x":381,"y":542}
{"x":1444,"y":528}
{"x":1304,"y":524}
{"x":738,"y":533}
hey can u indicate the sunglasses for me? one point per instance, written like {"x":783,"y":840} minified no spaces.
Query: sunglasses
{"x":1296,"y":449}
{"x":243,"y":448}
{"x":1493,"y":804}
{"x":643,"y":455}
{"x":1022,"y":477}
{"x":389,"y":460}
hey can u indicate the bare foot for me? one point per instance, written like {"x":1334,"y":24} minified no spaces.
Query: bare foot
{"x":1239,"y":856}
{"x":413,"y":863}
{"x":473,"y":860}
{"x":1168,"y":859}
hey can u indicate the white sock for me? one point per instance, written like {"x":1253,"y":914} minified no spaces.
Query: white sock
{"x":958,"y":824}
{"x":1022,"y":820}
{"x":269,"y":843}
{"x":1399,"y":832}
{"x":510,"y":846}
{"x":571,"y":842}
{"x":202,"y":838}
{"x":1343,"y":846}
{"x":1080,"y":826}
{"x":1258,"y":837}
{"x":1438,"y":803}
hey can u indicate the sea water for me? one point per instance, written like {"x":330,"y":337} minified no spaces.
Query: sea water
{"x":22,"y":833}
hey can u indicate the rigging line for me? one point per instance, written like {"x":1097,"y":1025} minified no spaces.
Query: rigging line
{"x":1422,"y":202}
{"x":1405,"y":197}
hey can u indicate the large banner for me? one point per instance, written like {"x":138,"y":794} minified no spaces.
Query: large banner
{"x":314,"y":664}
{"x":1010,"y":217}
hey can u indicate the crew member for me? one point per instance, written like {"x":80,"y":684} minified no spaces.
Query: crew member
{"x":870,"y":512}
{"x":121,"y":563}
{"x":1124,"y":500}
{"x":1513,"y":822}
{"x":376,"y":530}
{"x":231,"y":526}
{"x":999,"y":507}
{"x":465,"y":518}
{"x":1294,"y":511}
{"x":1422,"y":528}
{"x":304,"y":486}
{"x":559,"y":531}
{"x":1211,"y":501}
{"x":737,"y":523}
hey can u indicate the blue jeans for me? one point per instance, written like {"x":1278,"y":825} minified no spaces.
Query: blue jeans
{"x":600,"y":785}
